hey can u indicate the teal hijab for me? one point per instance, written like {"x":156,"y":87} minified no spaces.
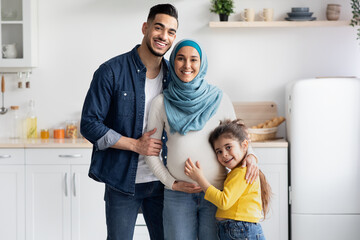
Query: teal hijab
{"x":190,"y":105}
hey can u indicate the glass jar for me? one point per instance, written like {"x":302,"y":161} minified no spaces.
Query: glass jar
{"x":44,"y":134}
{"x":16,"y":122}
{"x":71,"y":129}
{"x":59,"y":133}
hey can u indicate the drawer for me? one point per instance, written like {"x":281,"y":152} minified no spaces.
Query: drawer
{"x":12,"y":156}
{"x":58,"y":156}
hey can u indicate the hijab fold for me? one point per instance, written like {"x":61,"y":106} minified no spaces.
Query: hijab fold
{"x":190,"y":105}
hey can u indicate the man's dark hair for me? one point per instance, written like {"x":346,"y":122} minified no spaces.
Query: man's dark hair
{"x":162,"y":9}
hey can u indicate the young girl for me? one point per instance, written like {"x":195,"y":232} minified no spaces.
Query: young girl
{"x":240,"y":204}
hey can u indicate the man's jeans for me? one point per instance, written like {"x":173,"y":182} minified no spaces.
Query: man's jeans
{"x":231,"y":229}
{"x":122,"y":210}
{"x":188,"y":216}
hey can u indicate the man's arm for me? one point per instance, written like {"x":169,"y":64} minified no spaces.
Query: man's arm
{"x":145,"y":145}
{"x":96,"y":105}
{"x":95,"y":110}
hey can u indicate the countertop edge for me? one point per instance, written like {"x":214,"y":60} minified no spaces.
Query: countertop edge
{"x":270,"y":144}
{"x":83,"y":143}
{"x":45,"y":143}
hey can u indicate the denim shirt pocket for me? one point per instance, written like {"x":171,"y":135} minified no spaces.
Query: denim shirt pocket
{"x":125,"y":103}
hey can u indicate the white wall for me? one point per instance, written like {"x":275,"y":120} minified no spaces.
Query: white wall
{"x":253,"y":64}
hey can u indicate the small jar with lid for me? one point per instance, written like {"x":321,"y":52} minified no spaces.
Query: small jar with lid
{"x":44,"y":134}
{"x":59,"y":133}
{"x":71,"y":129}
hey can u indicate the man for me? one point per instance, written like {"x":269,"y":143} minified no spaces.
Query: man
{"x":114,"y":118}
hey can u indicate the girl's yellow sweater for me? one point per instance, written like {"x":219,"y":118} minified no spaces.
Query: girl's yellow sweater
{"x":239,"y":200}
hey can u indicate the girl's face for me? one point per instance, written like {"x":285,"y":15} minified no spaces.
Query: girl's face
{"x":187,"y":63}
{"x":230,"y":152}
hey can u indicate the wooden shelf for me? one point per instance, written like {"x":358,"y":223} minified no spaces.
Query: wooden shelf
{"x":262,"y":24}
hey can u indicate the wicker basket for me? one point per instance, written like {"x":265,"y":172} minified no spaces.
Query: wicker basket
{"x":262,"y":134}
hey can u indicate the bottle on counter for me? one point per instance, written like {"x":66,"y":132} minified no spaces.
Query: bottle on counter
{"x":31,"y":121}
{"x":16,"y":123}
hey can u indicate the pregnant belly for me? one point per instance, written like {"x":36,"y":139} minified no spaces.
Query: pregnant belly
{"x":212,"y":169}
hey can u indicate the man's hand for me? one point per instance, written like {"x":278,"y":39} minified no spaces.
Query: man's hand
{"x":252,"y":171}
{"x":148,"y":146}
{"x":186,"y":187}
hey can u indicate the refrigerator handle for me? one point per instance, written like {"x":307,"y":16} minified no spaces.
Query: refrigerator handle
{"x":290,"y":198}
{"x":289,"y":104}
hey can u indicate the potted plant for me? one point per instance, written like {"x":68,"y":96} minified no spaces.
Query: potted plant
{"x":355,"y":21}
{"x":222,"y":7}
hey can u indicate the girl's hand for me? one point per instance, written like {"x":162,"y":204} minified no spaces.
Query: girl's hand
{"x":193,"y":171}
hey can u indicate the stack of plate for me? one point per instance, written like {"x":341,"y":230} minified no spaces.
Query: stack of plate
{"x":300,"y":14}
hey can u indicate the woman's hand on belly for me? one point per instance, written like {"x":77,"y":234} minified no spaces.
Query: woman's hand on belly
{"x":187,"y":187}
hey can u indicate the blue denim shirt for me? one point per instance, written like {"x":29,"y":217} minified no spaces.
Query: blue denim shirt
{"x":115,"y":104}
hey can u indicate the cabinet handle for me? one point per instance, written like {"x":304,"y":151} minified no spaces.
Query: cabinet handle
{"x":70,"y":155}
{"x":5,"y":156}
{"x":74,"y":178}
{"x":66,"y":188}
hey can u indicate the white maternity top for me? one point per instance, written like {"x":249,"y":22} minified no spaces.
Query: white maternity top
{"x":194,"y":144}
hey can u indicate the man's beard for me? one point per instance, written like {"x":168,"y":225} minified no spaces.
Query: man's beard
{"x":153,"y":51}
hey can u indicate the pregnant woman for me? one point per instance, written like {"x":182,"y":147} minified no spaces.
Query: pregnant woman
{"x":188,"y":111}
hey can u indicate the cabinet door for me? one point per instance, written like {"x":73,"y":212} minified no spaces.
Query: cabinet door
{"x":141,"y":232}
{"x":273,"y":163}
{"x":18,"y":34}
{"x":48,"y":202}
{"x":88,"y":206}
{"x":275,"y":226}
{"x":12,"y":202}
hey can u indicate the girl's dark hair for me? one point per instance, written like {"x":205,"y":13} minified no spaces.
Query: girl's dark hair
{"x":237,"y":130}
{"x":162,"y":9}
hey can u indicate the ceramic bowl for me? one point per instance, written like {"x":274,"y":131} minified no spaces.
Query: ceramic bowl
{"x":300,"y":14}
{"x":300,"y":9}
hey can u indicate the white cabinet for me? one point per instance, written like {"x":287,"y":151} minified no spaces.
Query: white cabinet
{"x":88,"y":206}
{"x":48,"y":202}
{"x":18,"y":29}
{"x":273,"y":163}
{"x":141,"y":232}
{"x":62,"y":202}
{"x":12,"y":189}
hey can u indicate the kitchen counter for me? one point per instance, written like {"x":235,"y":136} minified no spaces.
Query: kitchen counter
{"x":278,"y":143}
{"x":44,"y":143}
{"x":83,"y":143}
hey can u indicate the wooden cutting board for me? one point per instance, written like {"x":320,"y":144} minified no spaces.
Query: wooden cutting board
{"x":254,"y":113}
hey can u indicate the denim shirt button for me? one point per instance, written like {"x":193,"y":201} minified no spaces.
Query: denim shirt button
{"x":164,"y":80}
{"x":163,"y":137}
{"x":165,"y":157}
{"x":125,"y":94}
{"x":138,"y":70}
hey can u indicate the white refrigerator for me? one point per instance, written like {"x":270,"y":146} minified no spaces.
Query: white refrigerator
{"x":323,"y":130}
